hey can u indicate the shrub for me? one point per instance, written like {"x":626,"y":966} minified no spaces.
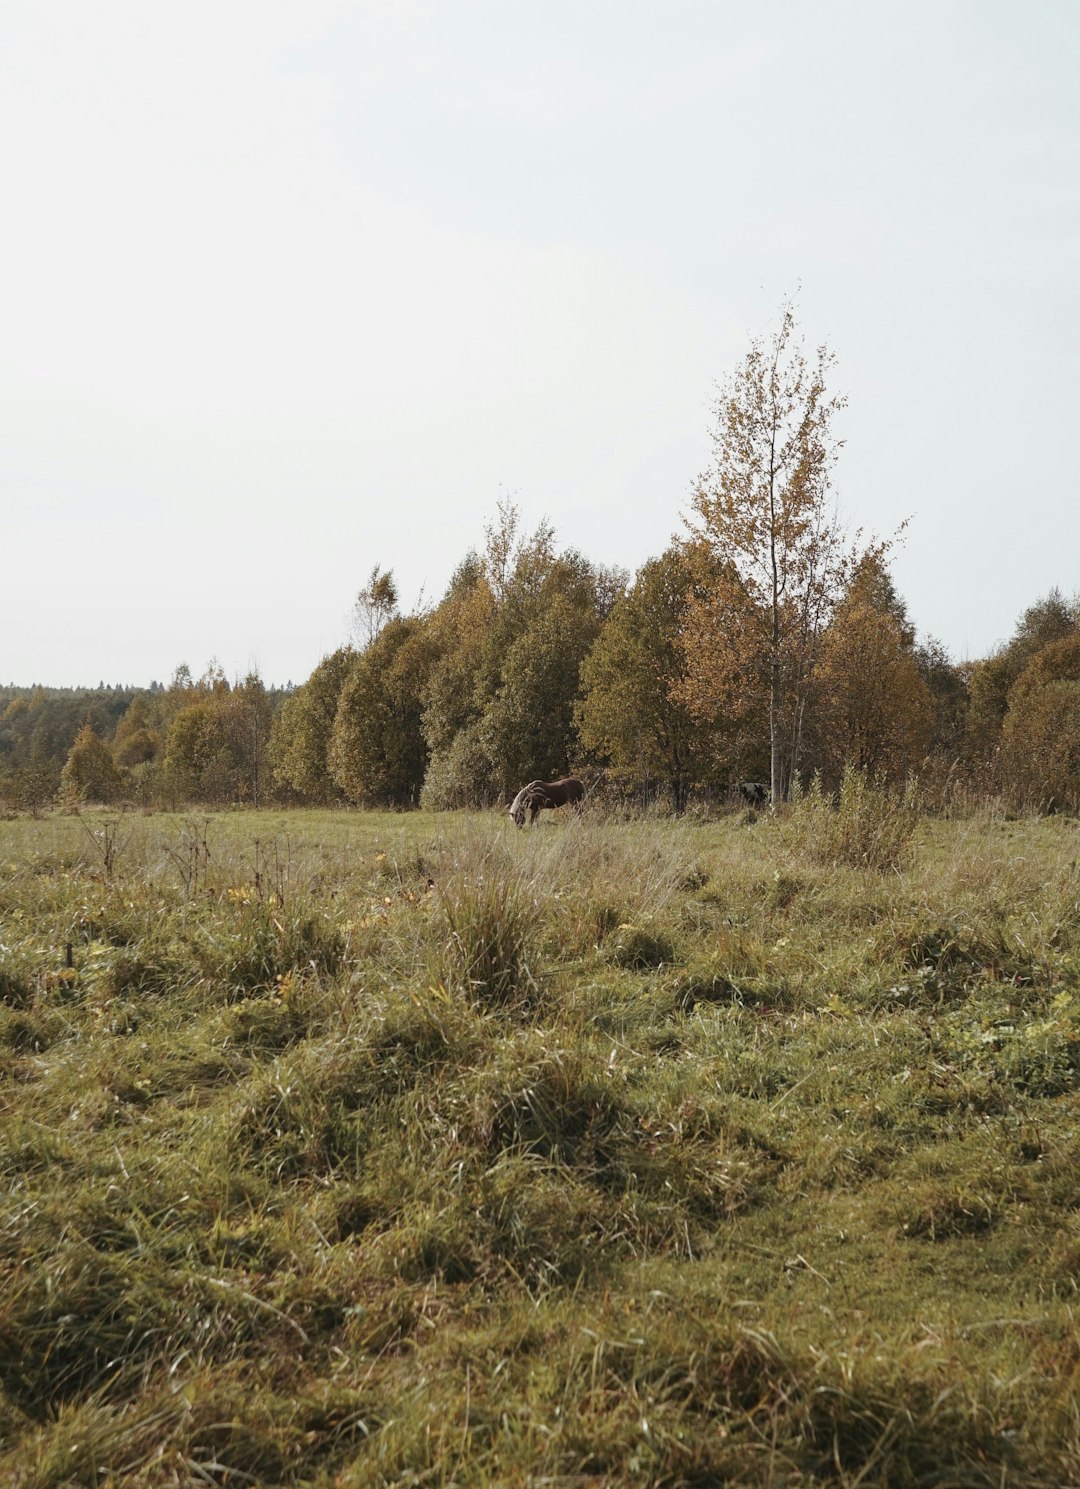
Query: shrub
{"x":1040,"y":748}
{"x":90,"y":773}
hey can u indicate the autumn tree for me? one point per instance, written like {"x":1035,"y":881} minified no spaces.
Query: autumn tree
{"x":249,"y":710}
{"x":199,"y":762}
{"x":217,"y":738}
{"x":873,"y":710}
{"x":723,"y":680}
{"x":948,"y":684}
{"x":136,"y":741}
{"x":630,"y":714}
{"x":39,"y":726}
{"x":1040,"y":743}
{"x":507,"y":643}
{"x":527,"y":729}
{"x":762,"y":512}
{"x":300,"y":738}
{"x":377,"y":754}
{"x":992,"y":679}
{"x":1041,"y":749}
{"x":375,"y":604}
{"x":460,"y":681}
{"x":90,"y":773}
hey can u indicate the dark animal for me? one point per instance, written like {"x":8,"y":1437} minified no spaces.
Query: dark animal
{"x":537,"y":795}
{"x":753,"y":793}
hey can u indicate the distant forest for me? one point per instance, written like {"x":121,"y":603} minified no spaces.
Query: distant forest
{"x":764,"y":646}
{"x":536,"y":663}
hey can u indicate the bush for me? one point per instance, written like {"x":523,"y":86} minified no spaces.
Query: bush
{"x":1040,"y":749}
{"x":90,"y":773}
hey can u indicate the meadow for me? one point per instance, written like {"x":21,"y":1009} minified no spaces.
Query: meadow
{"x":350,"y":1149}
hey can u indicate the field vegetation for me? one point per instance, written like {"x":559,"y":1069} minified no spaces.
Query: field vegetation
{"x":349,"y":1149}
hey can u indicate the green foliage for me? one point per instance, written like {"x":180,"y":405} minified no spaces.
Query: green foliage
{"x":462,"y":774}
{"x":300,"y":739}
{"x":536,"y":660}
{"x":200,"y":758}
{"x":218,"y":753}
{"x":507,"y":645}
{"x":38,"y":728}
{"x":527,"y":727}
{"x":628,"y":713}
{"x":377,"y":755}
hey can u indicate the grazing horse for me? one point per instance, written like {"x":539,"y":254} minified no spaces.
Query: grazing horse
{"x":754,"y":793}
{"x":539,"y":794}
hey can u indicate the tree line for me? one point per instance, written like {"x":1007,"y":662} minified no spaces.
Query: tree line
{"x":764,"y":643}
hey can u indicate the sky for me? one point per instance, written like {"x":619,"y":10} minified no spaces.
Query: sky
{"x":291,"y":288}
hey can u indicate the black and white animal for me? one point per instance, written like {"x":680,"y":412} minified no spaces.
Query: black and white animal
{"x":537,"y":795}
{"x":753,"y":793}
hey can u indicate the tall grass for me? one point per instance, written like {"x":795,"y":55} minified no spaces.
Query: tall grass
{"x":489,"y":913}
{"x":868,"y":825}
{"x":369,"y":1150}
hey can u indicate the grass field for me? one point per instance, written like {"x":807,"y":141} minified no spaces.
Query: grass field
{"x":359,"y":1149}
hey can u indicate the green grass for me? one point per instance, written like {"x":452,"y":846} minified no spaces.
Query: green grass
{"x":369,"y":1149}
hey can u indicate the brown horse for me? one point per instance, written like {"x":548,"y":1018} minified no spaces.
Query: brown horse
{"x":539,"y":794}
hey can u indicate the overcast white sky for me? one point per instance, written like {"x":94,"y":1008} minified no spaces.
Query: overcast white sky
{"x":292,"y":287}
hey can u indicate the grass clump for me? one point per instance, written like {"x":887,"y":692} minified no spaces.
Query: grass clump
{"x":640,"y":948}
{"x":488,"y":923}
{"x":16,"y":986}
{"x":867,"y":825}
{"x":260,"y":942}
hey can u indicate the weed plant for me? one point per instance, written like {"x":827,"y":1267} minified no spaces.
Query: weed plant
{"x":358,"y":1149}
{"x":868,"y":825}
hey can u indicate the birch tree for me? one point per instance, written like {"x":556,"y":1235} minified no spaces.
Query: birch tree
{"x":762,"y":510}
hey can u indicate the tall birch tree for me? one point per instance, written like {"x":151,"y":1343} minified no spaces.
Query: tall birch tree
{"x":762,"y":511}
